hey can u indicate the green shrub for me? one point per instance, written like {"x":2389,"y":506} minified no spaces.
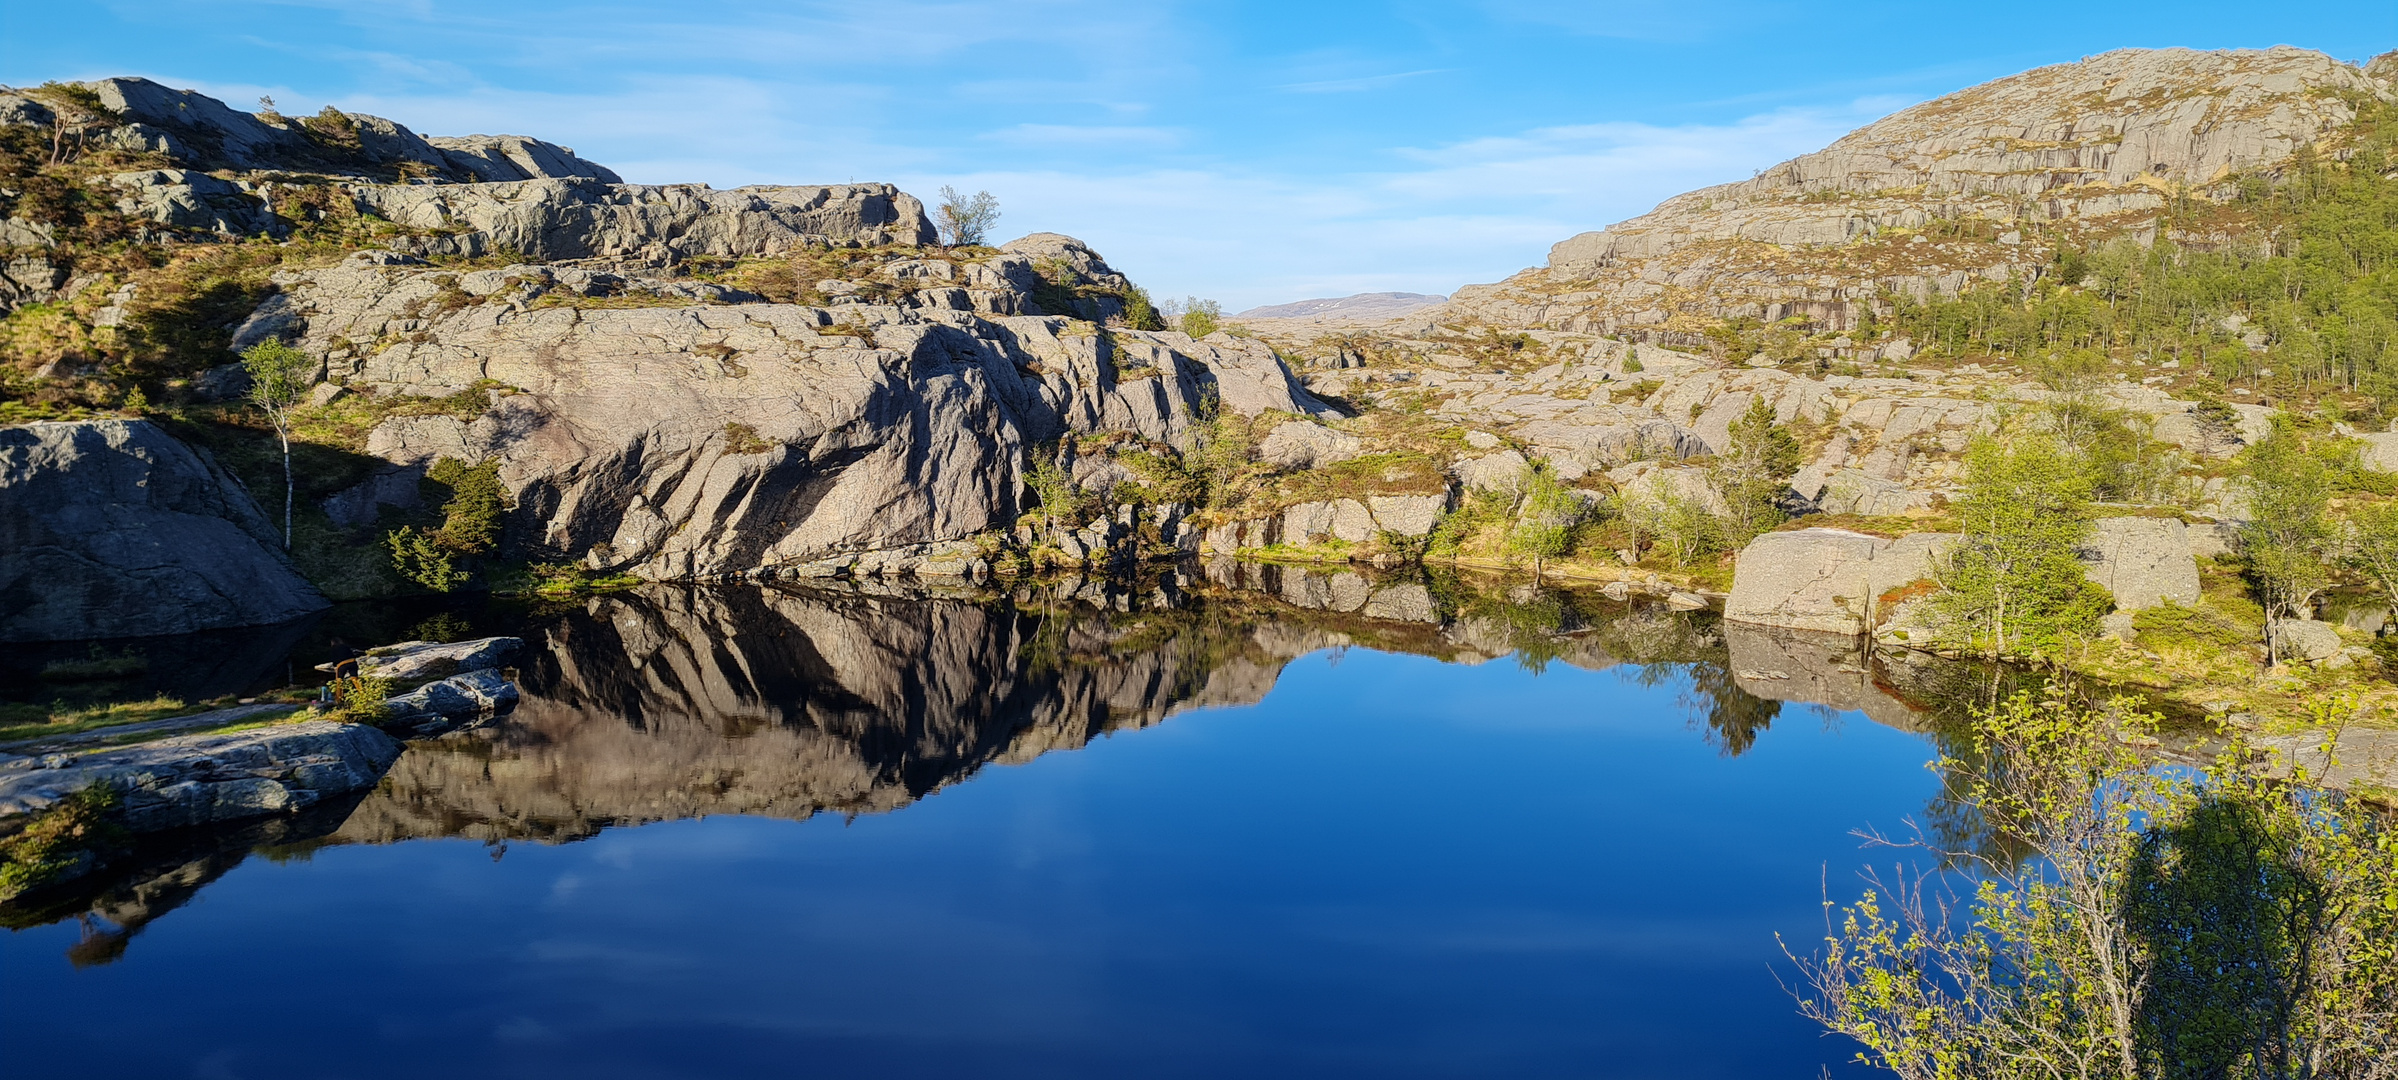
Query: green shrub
{"x":78,"y":829}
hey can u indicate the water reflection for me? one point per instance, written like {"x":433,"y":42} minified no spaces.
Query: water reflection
{"x":683,"y":702}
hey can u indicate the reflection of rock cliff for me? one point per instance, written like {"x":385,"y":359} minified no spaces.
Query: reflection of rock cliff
{"x":683,"y":703}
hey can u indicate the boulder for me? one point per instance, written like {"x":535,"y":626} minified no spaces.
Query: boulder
{"x":417,"y":661}
{"x":1501,"y":471}
{"x":2306,"y":639}
{"x":2143,"y":561}
{"x":1299,"y":444}
{"x":447,"y":703}
{"x":1827,"y":580}
{"x":1316,"y":522}
{"x":203,"y":779}
{"x":1403,"y":603}
{"x":112,"y":528}
{"x":1408,"y":515}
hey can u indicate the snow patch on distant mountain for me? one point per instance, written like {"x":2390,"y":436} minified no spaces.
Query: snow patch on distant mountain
{"x":1373,"y":305}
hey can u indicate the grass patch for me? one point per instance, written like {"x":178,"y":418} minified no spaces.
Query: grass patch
{"x":62,"y":840}
{"x":22,"y":721}
{"x":1885,"y":526}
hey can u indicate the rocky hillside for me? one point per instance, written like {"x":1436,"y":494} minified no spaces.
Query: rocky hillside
{"x":669,"y":381}
{"x":1987,"y":184}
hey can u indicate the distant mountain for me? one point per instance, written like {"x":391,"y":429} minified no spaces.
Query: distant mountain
{"x":1373,"y":305}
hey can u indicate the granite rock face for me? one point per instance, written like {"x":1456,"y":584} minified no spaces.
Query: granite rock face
{"x":1825,"y":580}
{"x":583,"y":218}
{"x":205,"y":779}
{"x":2143,"y":561}
{"x":112,"y":528}
{"x":203,"y":133}
{"x":690,"y":438}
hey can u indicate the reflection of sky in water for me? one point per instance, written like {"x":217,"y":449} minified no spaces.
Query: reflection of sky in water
{"x":1391,"y":867}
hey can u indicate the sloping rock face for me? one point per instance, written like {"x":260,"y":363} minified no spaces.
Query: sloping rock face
{"x":112,"y":528}
{"x":582,"y":218}
{"x":2091,"y":150}
{"x":691,"y":441}
{"x":202,"y":133}
{"x":204,"y":779}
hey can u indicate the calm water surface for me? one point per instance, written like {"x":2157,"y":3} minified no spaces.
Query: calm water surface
{"x":764,"y":832}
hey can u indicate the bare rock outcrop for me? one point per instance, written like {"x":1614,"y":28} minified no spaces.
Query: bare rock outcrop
{"x":583,"y":218}
{"x":113,"y":528}
{"x":205,"y":779}
{"x":692,"y":439}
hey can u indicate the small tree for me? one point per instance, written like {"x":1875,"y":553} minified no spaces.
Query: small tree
{"x":965,"y":221}
{"x":1754,"y":470}
{"x":2167,"y":926}
{"x":441,"y":559}
{"x":2370,"y":547}
{"x":75,"y":112}
{"x":279,"y":379}
{"x":1198,"y":317}
{"x":2289,"y":532}
{"x":1545,"y":517}
{"x":2015,"y":581}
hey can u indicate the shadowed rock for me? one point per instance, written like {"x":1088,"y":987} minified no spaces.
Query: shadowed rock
{"x":112,"y":528}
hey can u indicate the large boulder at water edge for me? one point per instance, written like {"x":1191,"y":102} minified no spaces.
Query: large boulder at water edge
{"x":112,"y":528}
{"x":1825,"y":579}
{"x":2143,"y":561}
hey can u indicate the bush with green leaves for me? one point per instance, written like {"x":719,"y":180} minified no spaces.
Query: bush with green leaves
{"x":2014,"y":584}
{"x":1546,"y":514}
{"x":1754,"y":471}
{"x":2127,"y":922}
{"x":2287,"y":540}
{"x":472,"y":515}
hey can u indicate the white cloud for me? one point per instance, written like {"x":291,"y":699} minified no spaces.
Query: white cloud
{"x":1438,"y":218}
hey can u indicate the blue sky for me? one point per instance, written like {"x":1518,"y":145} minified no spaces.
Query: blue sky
{"x":1249,"y":152}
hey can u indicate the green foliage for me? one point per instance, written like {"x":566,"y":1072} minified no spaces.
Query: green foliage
{"x":2369,"y":547}
{"x":2132,"y":923}
{"x":1053,"y":489}
{"x":1545,"y":516}
{"x":963,"y":220}
{"x":744,"y":439}
{"x":560,"y":581}
{"x":472,"y":515}
{"x":360,"y":699}
{"x":76,"y":830}
{"x":2014,"y":583}
{"x":421,"y":558}
{"x":279,"y":377}
{"x":1753,"y":472}
{"x":2286,"y":542}
{"x":1483,"y":510}
{"x":1195,"y":316}
{"x":2319,"y":283}
{"x":1140,"y":313}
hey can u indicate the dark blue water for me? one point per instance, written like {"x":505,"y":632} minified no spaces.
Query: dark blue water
{"x":1389,"y":866}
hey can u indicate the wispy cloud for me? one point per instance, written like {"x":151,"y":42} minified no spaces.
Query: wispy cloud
{"x":1084,"y":135}
{"x":1351,"y":86}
